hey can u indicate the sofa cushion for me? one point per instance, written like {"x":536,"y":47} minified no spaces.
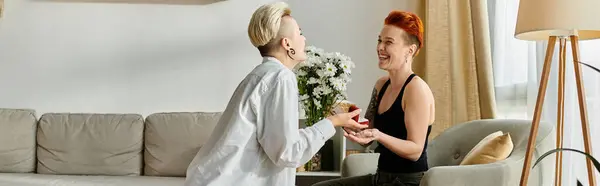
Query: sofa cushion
{"x":90,"y":144}
{"x":173,"y":139}
{"x":24,"y":179}
{"x":493,"y":148}
{"x":17,"y":135}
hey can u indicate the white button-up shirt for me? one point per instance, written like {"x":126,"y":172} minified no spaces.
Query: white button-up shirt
{"x":257,"y":141}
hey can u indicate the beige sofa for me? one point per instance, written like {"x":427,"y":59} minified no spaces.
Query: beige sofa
{"x":447,"y":150}
{"x":99,"y":149}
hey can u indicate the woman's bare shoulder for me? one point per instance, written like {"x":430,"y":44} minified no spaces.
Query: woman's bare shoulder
{"x":419,"y":88}
{"x":380,"y":82}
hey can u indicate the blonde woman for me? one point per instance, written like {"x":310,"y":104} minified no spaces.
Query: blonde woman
{"x":257,"y":140}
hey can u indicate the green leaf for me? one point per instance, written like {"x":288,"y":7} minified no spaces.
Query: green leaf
{"x":596,"y":163}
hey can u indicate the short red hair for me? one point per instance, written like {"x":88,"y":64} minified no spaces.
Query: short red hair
{"x":410,"y":23}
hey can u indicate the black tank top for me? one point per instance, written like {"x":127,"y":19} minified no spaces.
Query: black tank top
{"x":391,"y":122}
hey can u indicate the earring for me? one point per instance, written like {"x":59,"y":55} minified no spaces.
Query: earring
{"x":292,"y":52}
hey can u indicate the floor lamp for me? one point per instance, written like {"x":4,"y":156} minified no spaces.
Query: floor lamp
{"x":562,"y":20}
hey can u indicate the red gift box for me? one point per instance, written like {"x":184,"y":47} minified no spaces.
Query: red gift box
{"x":358,"y":118}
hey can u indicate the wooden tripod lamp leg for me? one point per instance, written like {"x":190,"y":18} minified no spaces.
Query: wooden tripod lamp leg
{"x":538,"y":110}
{"x":582,"y":108}
{"x":560,"y":122}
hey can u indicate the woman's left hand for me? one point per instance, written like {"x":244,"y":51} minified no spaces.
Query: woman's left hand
{"x":363,"y":137}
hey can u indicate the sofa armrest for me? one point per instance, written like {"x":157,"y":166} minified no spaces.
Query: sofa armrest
{"x":467,"y":175}
{"x":360,"y":164}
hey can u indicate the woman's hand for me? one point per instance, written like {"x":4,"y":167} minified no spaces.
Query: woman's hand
{"x":363,"y":137}
{"x":345,"y":120}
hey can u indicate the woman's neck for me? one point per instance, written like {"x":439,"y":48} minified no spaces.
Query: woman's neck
{"x":398,"y":77}
{"x":284,"y":59}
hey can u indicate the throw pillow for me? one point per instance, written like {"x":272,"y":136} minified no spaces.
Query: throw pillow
{"x":493,"y":148}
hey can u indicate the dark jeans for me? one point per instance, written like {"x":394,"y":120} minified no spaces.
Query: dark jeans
{"x":379,"y":179}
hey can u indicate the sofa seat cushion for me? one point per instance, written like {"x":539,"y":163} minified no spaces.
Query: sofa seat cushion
{"x":30,"y":179}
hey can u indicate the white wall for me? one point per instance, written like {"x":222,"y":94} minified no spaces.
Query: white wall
{"x":116,"y":57}
{"x":142,"y":58}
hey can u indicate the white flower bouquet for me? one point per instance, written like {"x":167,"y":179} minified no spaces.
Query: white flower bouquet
{"x":322,"y":81}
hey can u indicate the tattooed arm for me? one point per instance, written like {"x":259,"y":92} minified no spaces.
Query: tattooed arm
{"x":372,"y":108}
{"x":371,"y":111}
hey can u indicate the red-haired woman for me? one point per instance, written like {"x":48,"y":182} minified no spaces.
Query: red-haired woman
{"x":401,"y":110}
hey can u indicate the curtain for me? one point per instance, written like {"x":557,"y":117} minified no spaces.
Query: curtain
{"x":458,"y":65}
{"x":517,"y":67}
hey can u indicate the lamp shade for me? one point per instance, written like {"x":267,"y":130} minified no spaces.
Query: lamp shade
{"x":539,"y":19}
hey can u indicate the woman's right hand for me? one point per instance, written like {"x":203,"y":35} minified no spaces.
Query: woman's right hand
{"x":345,"y":120}
{"x":363,"y":137}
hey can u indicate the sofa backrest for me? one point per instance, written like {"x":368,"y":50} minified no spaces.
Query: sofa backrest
{"x":90,"y":144}
{"x":173,"y":139}
{"x":17,"y":140}
{"x":163,"y":144}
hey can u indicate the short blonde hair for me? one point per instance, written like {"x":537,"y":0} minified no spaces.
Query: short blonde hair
{"x":265,"y":23}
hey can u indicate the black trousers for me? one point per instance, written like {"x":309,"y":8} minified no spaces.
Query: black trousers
{"x":379,"y":179}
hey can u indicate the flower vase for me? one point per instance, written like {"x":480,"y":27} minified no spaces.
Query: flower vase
{"x":314,"y":164}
